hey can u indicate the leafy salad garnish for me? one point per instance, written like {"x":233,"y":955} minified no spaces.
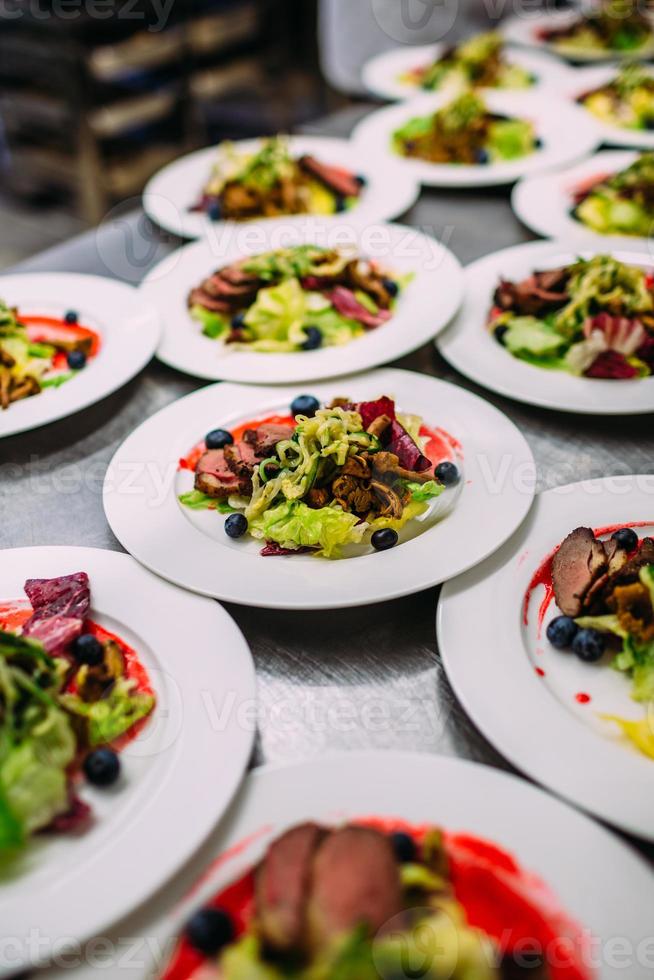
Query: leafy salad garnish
{"x":299,"y":298}
{"x":612,"y":25}
{"x":594,"y":317}
{"x":465,"y":131}
{"x":626,"y":101}
{"x":621,"y":203}
{"x":478,"y":62}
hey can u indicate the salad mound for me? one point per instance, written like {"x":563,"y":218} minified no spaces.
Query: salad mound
{"x":621,"y":203}
{"x":68,"y":691}
{"x":605,"y":593}
{"x":627,"y":101}
{"x":39,"y":352}
{"x":464,"y":131}
{"x":271,"y":182}
{"x":479,"y":62}
{"x":594,"y":318}
{"x":615,"y":25}
{"x":378,"y":899}
{"x":293,"y":299}
{"x":324,"y":479}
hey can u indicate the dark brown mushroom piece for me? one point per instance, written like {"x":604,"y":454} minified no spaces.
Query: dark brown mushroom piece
{"x":389,"y":501}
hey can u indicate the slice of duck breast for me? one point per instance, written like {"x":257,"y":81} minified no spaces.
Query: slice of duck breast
{"x":214,"y":477}
{"x":578,"y":563}
{"x":264,"y":439}
{"x":355,"y":881}
{"x":282,"y":887}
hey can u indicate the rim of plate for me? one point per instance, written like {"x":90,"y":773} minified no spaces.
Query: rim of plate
{"x":129,"y":328}
{"x":185,"y":744}
{"x":381,"y":74}
{"x":522,"y":30}
{"x":152,"y":526}
{"x":424,"y":308}
{"x":561,"y":846}
{"x":175,"y":188}
{"x":567,"y":133}
{"x":543,"y":202}
{"x":469,"y":347}
{"x":585,"y":80}
{"x":493,"y":675}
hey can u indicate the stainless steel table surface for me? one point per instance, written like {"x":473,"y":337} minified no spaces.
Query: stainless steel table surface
{"x":369,"y":677}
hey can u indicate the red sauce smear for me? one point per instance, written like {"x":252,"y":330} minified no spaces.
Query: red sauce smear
{"x":582,"y":698}
{"x":543,"y":574}
{"x":499,"y":897}
{"x":14,"y":613}
{"x":50,"y":329}
{"x":190,"y":461}
{"x":440,"y":446}
{"x":539,"y":671}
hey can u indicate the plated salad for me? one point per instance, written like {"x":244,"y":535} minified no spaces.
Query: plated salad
{"x":592,"y":318}
{"x":332,"y":481}
{"x":479,"y":62}
{"x":377,"y":899}
{"x":465,"y":131}
{"x":71,"y":695}
{"x":272,"y":182}
{"x":612,"y":26}
{"x":627,"y":101}
{"x":604,"y":590}
{"x":39,"y":352}
{"x":295,"y":299}
{"x":620,"y":203}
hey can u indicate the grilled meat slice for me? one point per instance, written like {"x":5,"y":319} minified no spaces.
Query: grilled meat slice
{"x":355,"y":881}
{"x":282,"y":885}
{"x":241,"y":459}
{"x":214,"y":477}
{"x":264,"y":439}
{"x":576,"y":566}
{"x":340,"y":181}
{"x":537,"y":294}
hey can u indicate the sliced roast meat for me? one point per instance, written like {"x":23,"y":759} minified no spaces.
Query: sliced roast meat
{"x":355,"y":882}
{"x":553,"y":279}
{"x":200,"y":297}
{"x":578,"y":563}
{"x":346,"y":303}
{"x":264,"y":439}
{"x":214,"y":477}
{"x":529,"y":297}
{"x":628,"y":573}
{"x":241,"y":460}
{"x":342,"y":182}
{"x":60,"y":606}
{"x":282,"y":886}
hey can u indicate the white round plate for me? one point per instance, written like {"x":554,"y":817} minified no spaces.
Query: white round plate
{"x":129,"y":330}
{"x":424,"y":307}
{"x":579,"y":860}
{"x":178,"y":775}
{"x":526,"y":28}
{"x":492,"y":657}
{"x":566,"y":132}
{"x":192,"y":549}
{"x":584,"y":80}
{"x":171,"y":193}
{"x":544,"y":202}
{"x":383,"y":74}
{"x":470,"y":348}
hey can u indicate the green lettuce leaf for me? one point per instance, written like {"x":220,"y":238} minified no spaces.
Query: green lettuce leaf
{"x":278,"y":313}
{"x":113,"y":715}
{"x":294,"y":525}
{"x":196,"y":500}
{"x":213,"y":324}
{"x":425,"y":491}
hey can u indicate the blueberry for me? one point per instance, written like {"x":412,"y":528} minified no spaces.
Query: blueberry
{"x":314,"y":338}
{"x":404,"y":847}
{"x":71,"y":316}
{"x":218,"y":439}
{"x":626,"y":538}
{"x":238,"y":321}
{"x":561,"y":632}
{"x":305,"y":405}
{"x":76,"y":360}
{"x":361,"y":180}
{"x":340,"y":204}
{"x":209,"y":930}
{"x":391,"y":287}
{"x":589,"y":645}
{"x":447,"y":473}
{"x":538,"y":143}
{"x":236,"y":525}
{"x":481,"y":156}
{"x":88,"y":650}
{"x":102,"y":767}
{"x":384,"y":539}
{"x":500,"y":333}
{"x":214,"y":211}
